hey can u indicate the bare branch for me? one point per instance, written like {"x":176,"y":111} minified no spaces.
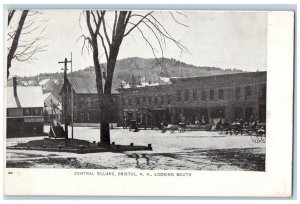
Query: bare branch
{"x":89,"y":24}
{"x":163,"y":32}
{"x":105,"y":32}
{"x":127,"y":18}
{"x":10,"y":15}
{"x":34,"y":29}
{"x":79,"y":19}
{"x":166,"y":34}
{"x":27,"y":56}
{"x":104,"y":47}
{"x":98,"y":24}
{"x":94,"y":17}
{"x":177,"y":21}
{"x":115,"y":24}
{"x":15,"y":41}
{"x":135,"y":25}
{"x":147,"y":41}
{"x":158,"y":40}
{"x":180,"y":13}
{"x":85,"y":38}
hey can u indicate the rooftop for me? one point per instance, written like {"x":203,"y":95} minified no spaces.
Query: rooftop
{"x":218,"y":76}
{"x":82,"y":85}
{"x":44,"y":81}
{"x":27,"y":97}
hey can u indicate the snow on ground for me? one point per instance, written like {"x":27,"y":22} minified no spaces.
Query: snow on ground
{"x":191,"y":150}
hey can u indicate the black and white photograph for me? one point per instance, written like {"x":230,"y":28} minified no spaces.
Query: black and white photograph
{"x":136,"y":90}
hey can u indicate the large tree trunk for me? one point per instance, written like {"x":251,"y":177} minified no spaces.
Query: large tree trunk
{"x":104,"y":111}
{"x":15,"y":41}
{"x":104,"y":123}
{"x":111,"y":63}
{"x":105,"y":106}
{"x":104,"y":129}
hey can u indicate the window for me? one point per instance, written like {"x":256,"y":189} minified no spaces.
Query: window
{"x":178,"y":96}
{"x":263,"y":92}
{"x":247,"y":92}
{"x":36,"y":111}
{"x":195,"y":97}
{"x":169,"y":98}
{"x":123,"y":101}
{"x":88,"y":102}
{"x":211,"y":95}
{"x":149,"y":100}
{"x":203,"y":95}
{"x":186,"y":95}
{"x":82,"y":117}
{"x":155,"y":100}
{"x":14,"y":112}
{"x":26,"y":111}
{"x":237,"y":92}
{"x":144,"y":100}
{"x":221,"y":94}
{"x":162,"y":100}
{"x":129,"y":102}
{"x":137,"y":101}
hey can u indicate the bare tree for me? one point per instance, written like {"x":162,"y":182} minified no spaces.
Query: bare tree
{"x":123,"y":24}
{"x":24,"y":40}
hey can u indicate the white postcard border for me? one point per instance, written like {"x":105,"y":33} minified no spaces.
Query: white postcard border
{"x":276,"y":181}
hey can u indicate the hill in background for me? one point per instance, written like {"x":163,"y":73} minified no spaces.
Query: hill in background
{"x":150,"y":70}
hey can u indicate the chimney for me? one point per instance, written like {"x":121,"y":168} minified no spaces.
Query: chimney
{"x":15,"y":85}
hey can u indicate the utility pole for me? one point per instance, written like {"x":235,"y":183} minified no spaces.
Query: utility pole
{"x":72,"y":99}
{"x":65,"y":100}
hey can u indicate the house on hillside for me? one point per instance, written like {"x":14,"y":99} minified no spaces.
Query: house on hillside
{"x":24,"y":107}
{"x":28,"y":82}
{"x":85,"y":100}
{"x":53,"y":108}
{"x":48,"y":85}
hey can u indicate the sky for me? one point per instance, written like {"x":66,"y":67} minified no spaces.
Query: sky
{"x":217,"y":39}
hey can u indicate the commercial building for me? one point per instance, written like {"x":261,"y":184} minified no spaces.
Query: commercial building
{"x":85,"y":101}
{"x":24,"y":110}
{"x":205,"y":99}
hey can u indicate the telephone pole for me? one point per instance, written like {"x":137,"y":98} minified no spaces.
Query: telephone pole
{"x":65,"y":95}
{"x":72,"y":99}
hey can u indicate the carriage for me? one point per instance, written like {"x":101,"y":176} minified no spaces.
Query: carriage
{"x":256,"y":130}
{"x":172,"y":128}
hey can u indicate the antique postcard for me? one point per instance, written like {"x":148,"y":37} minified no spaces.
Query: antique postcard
{"x":148,"y":103}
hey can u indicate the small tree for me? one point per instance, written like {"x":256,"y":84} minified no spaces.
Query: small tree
{"x":123,"y":24}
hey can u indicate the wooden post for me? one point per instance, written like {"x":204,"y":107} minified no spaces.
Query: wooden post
{"x":65,"y":105}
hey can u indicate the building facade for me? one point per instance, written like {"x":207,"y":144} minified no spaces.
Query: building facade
{"x":191,"y":99}
{"x":52,"y":108}
{"x":48,"y":85}
{"x":85,"y":101}
{"x":24,"y":110}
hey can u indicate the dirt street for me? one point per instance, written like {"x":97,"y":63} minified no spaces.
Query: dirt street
{"x":191,"y":150}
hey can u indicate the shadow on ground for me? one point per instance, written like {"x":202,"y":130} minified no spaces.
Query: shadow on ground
{"x":248,"y":159}
{"x":251,"y":159}
{"x":70,"y":162}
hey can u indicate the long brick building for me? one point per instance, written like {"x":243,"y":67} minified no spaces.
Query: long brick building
{"x":231,"y":96}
